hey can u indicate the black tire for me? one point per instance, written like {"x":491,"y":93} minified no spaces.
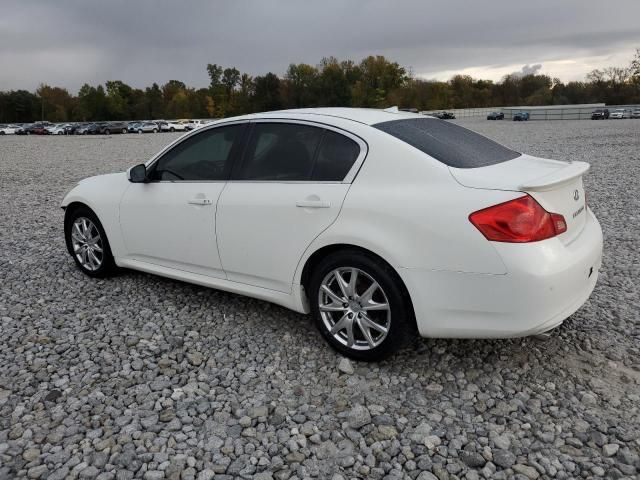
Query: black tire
{"x":402,"y":327}
{"x":140,"y":131}
{"x":172,"y":129}
{"x":107,"y":131}
{"x":155,"y":130}
{"x":124,"y":130}
{"x":107,"y":266}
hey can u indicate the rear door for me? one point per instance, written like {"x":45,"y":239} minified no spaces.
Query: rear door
{"x":289,"y":187}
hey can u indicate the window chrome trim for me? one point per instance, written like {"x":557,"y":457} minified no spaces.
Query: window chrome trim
{"x":188,"y":135}
{"x":349,"y":178}
{"x":353,"y":171}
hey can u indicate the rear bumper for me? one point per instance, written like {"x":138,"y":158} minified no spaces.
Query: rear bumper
{"x":545,"y":283}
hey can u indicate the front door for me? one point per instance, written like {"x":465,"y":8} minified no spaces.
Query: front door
{"x":170,"y":221}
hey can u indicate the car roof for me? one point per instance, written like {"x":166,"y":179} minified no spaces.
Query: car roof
{"x":367,"y":116}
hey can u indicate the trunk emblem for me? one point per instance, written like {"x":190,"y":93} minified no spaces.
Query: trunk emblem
{"x":576,"y":195}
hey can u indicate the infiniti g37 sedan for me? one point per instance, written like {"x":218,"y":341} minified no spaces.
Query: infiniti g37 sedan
{"x":383,"y":225}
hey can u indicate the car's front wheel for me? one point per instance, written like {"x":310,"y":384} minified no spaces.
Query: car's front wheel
{"x":87,"y":242}
{"x":359,"y":306}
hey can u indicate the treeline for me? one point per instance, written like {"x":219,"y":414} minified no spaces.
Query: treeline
{"x":374,"y":82}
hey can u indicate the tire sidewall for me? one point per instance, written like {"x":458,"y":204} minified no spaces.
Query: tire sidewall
{"x":108,"y":264}
{"x":400,"y":330}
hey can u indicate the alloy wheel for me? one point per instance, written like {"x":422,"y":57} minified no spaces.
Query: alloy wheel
{"x":87,"y":243}
{"x":354,"y":308}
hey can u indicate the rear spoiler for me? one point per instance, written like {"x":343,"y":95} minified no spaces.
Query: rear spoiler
{"x":552,"y":180}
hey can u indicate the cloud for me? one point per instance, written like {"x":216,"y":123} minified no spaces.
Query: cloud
{"x":528,"y":70}
{"x":70,"y":42}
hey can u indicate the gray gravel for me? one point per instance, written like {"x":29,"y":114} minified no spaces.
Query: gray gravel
{"x":143,"y":377}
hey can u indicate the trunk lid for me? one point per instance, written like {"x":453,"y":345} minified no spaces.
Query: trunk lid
{"x":555,"y":185}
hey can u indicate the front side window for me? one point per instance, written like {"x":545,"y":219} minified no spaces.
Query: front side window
{"x":280,"y":151}
{"x":204,"y":156}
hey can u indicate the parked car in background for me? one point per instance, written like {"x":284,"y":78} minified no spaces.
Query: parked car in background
{"x":95,"y":128}
{"x":114,"y":127}
{"x":173,"y":127}
{"x":22,"y":129}
{"x":147,"y":127}
{"x":8,"y":129}
{"x":85,"y":128}
{"x":38,"y":129}
{"x":600,"y":114}
{"x":445,"y":115}
{"x":132,"y":127}
{"x":187,"y":124}
{"x":521,"y":117}
{"x":161,"y":124}
{"x":71,"y":128}
{"x":57,"y":129}
{"x":495,"y":116}
{"x":618,"y":113}
{"x":197,"y":123}
{"x":635,"y":113}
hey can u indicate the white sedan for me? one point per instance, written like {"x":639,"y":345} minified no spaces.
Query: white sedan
{"x":382,"y":224}
{"x":618,"y":113}
{"x":173,"y":127}
{"x":8,"y":129}
{"x":57,"y":129}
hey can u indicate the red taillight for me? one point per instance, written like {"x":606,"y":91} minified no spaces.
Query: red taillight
{"x":519,"y":220}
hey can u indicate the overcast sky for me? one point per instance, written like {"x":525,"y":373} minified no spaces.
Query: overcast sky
{"x":67,"y":43}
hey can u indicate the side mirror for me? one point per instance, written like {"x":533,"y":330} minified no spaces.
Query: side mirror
{"x":137,"y":174}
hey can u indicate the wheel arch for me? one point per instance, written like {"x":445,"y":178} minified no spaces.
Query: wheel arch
{"x":69,"y":210}
{"x":316,"y":257}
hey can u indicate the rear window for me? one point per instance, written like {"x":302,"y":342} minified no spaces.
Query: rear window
{"x":448,"y":143}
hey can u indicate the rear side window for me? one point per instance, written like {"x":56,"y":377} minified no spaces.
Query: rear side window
{"x":448,"y":143}
{"x":336,"y":156}
{"x":280,"y":151}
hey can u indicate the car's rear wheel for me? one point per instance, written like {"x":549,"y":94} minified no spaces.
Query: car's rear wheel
{"x":124,"y":130}
{"x":87,"y":243}
{"x":359,"y":306}
{"x":140,"y":131}
{"x":107,"y":132}
{"x":155,"y":130}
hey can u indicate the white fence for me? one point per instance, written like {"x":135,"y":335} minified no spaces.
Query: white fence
{"x":545,"y":112}
{"x":466,"y":112}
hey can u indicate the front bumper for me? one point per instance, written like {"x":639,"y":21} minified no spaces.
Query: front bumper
{"x":545,"y":283}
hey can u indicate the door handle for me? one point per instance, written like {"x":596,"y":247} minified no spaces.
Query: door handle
{"x":199,"y":201}
{"x":313,"y":204}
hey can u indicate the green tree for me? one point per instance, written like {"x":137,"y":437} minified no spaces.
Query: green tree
{"x":154,"y":102}
{"x":267,"y":93}
{"x":301,"y":86}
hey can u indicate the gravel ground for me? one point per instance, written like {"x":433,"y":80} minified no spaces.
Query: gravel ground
{"x":143,"y":377}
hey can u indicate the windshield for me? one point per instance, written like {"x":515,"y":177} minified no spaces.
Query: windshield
{"x":448,"y":143}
